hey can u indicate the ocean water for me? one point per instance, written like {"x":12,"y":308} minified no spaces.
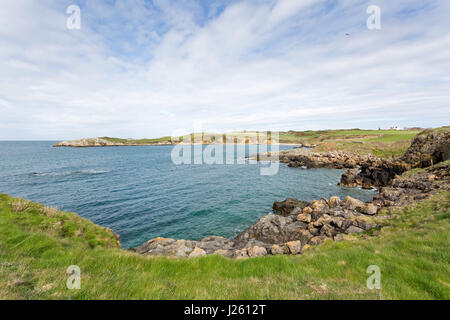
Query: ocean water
{"x":141,"y":194}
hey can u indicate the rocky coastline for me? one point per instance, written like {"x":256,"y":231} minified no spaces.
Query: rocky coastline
{"x":296,"y":225}
{"x":99,"y":142}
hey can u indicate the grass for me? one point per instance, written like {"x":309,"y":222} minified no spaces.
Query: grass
{"x":381,"y":143}
{"x":417,"y":170}
{"x":37,"y":245}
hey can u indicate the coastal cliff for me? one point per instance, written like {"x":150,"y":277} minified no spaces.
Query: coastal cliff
{"x":407,"y":226}
{"x":110,"y":142}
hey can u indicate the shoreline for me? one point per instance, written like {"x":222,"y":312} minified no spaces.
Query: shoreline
{"x":297,"y":225}
{"x":175,"y":144}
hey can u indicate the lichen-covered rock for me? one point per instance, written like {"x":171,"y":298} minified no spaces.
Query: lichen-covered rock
{"x":295,"y":247}
{"x":312,"y":222}
{"x":319,"y":206}
{"x":241,"y":254}
{"x":352,"y":203}
{"x":334,"y":202}
{"x":316,"y":240}
{"x":429,"y":147}
{"x":307,"y":210}
{"x":256,"y":251}
{"x":213,"y":243}
{"x":369,"y":209}
{"x":304,"y":218}
{"x":278,"y":250}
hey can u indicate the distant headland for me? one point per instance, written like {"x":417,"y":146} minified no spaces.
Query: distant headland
{"x":393,"y":140}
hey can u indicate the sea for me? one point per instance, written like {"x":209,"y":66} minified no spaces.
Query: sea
{"x":142,"y":193}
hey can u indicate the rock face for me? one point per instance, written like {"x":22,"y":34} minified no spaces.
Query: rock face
{"x":374,"y":173}
{"x":285,"y":208}
{"x":428,"y":148}
{"x":101,"y":142}
{"x":185,"y":248}
{"x":331,"y":160}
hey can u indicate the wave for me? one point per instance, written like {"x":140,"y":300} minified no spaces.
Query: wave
{"x":69,"y":173}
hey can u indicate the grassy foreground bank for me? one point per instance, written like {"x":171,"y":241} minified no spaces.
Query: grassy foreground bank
{"x":37,"y":244}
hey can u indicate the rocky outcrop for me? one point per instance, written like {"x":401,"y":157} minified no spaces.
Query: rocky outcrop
{"x":428,"y":148}
{"x":367,"y":171}
{"x":285,"y":207}
{"x":406,"y":190}
{"x":331,"y":160}
{"x":374,"y":174}
{"x":83,"y":143}
{"x":305,"y":224}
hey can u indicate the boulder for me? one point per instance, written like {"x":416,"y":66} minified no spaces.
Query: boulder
{"x":304,"y":218}
{"x":353,"y":204}
{"x":213,"y":243}
{"x":285,"y":207}
{"x":256,"y":252}
{"x":428,"y":147}
{"x":334,"y":202}
{"x":270,"y":229}
{"x":295,"y":247}
{"x":316,"y":240}
{"x":322,"y":220}
{"x":328,"y":231}
{"x":353,"y":229}
{"x":349,"y":179}
{"x":278,"y":250}
{"x":241,"y":254}
{"x":369,"y":209}
{"x":319,"y":206}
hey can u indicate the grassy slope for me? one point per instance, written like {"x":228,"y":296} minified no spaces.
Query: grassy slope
{"x":38,"y":244}
{"x":382,"y":143}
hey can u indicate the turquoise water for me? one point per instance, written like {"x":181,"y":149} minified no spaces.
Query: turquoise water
{"x":140,"y":194}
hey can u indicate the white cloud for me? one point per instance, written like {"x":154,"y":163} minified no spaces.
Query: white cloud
{"x":147,"y":70}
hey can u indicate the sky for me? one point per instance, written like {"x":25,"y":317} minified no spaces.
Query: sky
{"x":144,"y":69}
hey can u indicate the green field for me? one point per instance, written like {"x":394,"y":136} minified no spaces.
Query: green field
{"x":382,"y":143}
{"x":37,"y":244}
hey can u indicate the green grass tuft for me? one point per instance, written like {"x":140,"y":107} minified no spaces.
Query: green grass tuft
{"x":36,"y":247}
